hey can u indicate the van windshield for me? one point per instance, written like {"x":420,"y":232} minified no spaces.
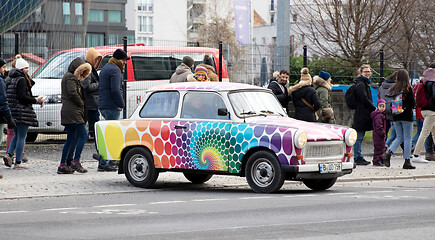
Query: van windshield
{"x":57,"y":65}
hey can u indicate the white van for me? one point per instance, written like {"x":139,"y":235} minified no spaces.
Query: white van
{"x":147,"y":67}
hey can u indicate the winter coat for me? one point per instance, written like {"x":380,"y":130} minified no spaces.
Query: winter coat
{"x":363,"y":94}
{"x":280,"y":92}
{"x":408,"y":102}
{"x":73,"y":93}
{"x":5,"y":112}
{"x":302,"y":111}
{"x":429,"y":76}
{"x":384,"y":89}
{"x":211,"y":73}
{"x":91,"y":85}
{"x":20,"y":98}
{"x":110,"y":88}
{"x":180,"y":74}
{"x":379,"y":125}
{"x":323,"y":91}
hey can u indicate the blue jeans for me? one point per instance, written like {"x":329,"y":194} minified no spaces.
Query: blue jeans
{"x":392,"y":136}
{"x":76,"y":137}
{"x":109,"y":114}
{"x":18,"y":141}
{"x":93,"y":117}
{"x":404,"y":134}
{"x":357,"y":146}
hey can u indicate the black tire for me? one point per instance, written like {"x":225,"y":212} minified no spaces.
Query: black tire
{"x":263,"y":172}
{"x":139,"y":167}
{"x":31,"y":137}
{"x":198,"y":178}
{"x":320,"y":184}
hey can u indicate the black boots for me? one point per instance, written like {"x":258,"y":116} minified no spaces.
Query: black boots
{"x":407,"y":164}
{"x":386,"y":157}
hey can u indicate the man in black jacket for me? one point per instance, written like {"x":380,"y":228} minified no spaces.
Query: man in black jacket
{"x":279,"y":88}
{"x":361,"y":118}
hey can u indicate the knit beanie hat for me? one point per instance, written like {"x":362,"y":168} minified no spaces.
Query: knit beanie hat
{"x":429,"y":74}
{"x":381,"y":101}
{"x":324,"y":75}
{"x":305,"y":75}
{"x":2,"y":62}
{"x":120,"y":54}
{"x":200,"y":69}
{"x":21,"y":63}
{"x":188,"y":61}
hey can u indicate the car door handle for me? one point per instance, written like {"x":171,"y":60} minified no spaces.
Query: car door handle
{"x":179,"y":127}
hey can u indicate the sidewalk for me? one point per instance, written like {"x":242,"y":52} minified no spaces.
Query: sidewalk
{"x":41,"y":179}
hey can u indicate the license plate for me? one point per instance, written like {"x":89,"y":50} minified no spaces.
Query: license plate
{"x":329,"y":167}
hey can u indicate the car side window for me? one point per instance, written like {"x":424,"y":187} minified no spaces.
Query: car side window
{"x":202,"y":105}
{"x":161,"y":105}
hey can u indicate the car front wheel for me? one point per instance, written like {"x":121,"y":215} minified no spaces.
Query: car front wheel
{"x":319,"y":184}
{"x":139,"y":167}
{"x":263,"y":172}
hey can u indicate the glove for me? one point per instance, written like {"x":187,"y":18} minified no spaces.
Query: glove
{"x":11,"y":123}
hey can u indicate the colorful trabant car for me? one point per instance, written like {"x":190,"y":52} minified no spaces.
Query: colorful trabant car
{"x":205,"y":128}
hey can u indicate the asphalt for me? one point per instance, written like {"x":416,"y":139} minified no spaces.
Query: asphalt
{"x":41,"y":179}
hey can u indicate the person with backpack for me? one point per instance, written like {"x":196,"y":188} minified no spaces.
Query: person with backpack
{"x":428,"y":113}
{"x":403,"y":117}
{"x":383,"y":90}
{"x":362,"y":121}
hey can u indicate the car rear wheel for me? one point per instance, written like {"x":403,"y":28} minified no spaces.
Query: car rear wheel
{"x":198,"y":178}
{"x":263,"y":172}
{"x":31,"y":137}
{"x":320,"y":184}
{"x":139,"y":167}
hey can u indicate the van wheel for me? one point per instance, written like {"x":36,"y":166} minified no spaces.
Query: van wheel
{"x":197,"y":178}
{"x":139,"y":167}
{"x":263,"y":172}
{"x":31,"y":137}
{"x":320,"y":184}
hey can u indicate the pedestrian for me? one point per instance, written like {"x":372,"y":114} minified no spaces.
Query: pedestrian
{"x":111,"y":100}
{"x":20,"y":99}
{"x":91,"y":85}
{"x":5,"y":112}
{"x":183,"y":70}
{"x":304,"y":98}
{"x":323,"y":86}
{"x":200,"y":75}
{"x":402,"y":122}
{"x":279,"y":88}
{"x":428,"y":113}
{"x":382,"y":92}
{"x":361,"y":118}
{"x":9,"y":131}
{"x":211,"y":72}
{"x":73,"y":115}
{"x":379,"y":133}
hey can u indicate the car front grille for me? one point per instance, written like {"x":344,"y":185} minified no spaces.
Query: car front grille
{"x":324,"y":151}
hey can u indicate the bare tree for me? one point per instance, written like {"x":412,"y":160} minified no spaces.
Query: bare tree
{"x":351,"y":30}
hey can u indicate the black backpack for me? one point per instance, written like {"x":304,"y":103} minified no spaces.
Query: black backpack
{"x":350,"y":97}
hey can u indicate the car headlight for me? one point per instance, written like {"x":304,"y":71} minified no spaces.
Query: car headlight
{"x":300,"y":139}
{"x":350,"y":137}
{"x":54,"y":98}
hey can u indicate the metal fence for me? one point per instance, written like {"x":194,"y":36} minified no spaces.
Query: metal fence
{"x":154,"y":65}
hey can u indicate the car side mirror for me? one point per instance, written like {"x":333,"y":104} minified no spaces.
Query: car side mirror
{"x":222,"y":112}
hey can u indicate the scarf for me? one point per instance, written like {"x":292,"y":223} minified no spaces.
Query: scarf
{"x":368,"y":80}
{"x":117,"y":63}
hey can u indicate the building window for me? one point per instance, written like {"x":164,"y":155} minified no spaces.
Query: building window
{"x":130,"y":39}
{"x":94,"y":39}
{"x":114,"y":39}
{"x":96,"y":15}
{"x":114,"y":16}
{"x":78,"y":10}
{"x":38,"y":15}
{"x":145,"y":24}
{"x":145,"y":5}
{"x":78,"y":40}
{"x":148,"y":41}
{"x":66,"y":13}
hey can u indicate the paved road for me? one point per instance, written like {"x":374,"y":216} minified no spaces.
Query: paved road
{"x":401,"y":209}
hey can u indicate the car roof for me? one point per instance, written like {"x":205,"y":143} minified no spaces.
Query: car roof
{"x":105,"y":50}
{"x":212,"y":86}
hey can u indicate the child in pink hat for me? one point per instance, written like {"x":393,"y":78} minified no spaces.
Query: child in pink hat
{"x":379,"y":132}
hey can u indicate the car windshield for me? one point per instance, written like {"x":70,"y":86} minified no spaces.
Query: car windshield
{"x":57,"y":65}
{"x":254,"y":103}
